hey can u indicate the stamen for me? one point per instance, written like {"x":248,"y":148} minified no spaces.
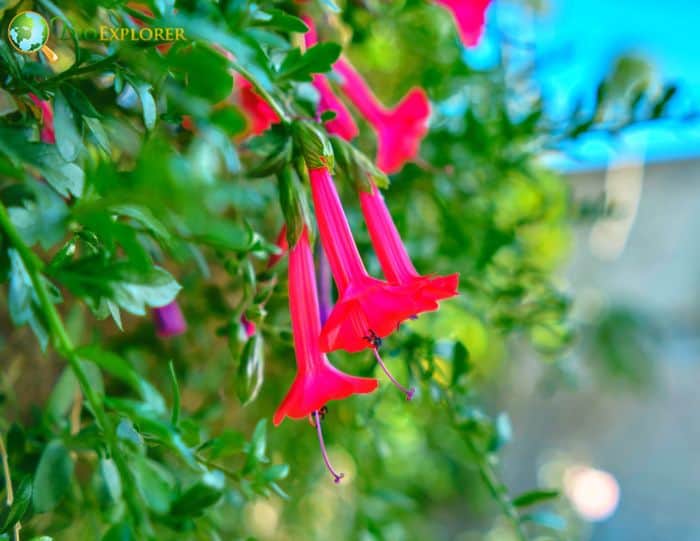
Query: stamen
{"x":336,"y":476}
{"x":408,"y":392}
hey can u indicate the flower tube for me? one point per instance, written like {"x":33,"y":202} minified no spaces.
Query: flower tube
{"x":317,"y":382}
{"x":343,"y":124}
{"x":367,"y":309}
{"x":393,"y":256}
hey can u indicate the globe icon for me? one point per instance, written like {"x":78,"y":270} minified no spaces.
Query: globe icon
{"x":28,"y":32}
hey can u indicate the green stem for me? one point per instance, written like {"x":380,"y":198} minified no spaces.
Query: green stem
{"x":497,"y":489}
{"x":75,"y":72}
{"x":234,"y":476}
{"x":9,"y":494}
{"x":264,"y":94}
{"x":64,"y":346}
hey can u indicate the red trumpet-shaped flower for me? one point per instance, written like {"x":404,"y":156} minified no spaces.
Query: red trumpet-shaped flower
{"x":343,"y":124}
{"x":366,"y":307}
{"x":257,"y":111}
{"x":47,"y":134}
{"x":169,"y":320}
{"x":317,"y":381}
{"x":282,"y":245}
{"x":469,"y":16}
{"x":393,"y":257}
{"x":400,"y":130}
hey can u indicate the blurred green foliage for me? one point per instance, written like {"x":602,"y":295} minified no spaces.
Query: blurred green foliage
{"x":129,"y":209}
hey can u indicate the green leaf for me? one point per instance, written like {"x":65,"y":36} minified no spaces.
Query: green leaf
{"x":175,"y":417}
{"x":66,"y":178}
{"x":148,"y":104}
{"x":535,"y":497}
{"x":258,"y":442}
{"x":22,"y":302}
{"x":546,"y":519}
{"x":62,"y":395}
{"x":108,"y":481}
{"x":203,"y":494}
{"x":503,"y":432}
{"x":68,"y":139}
{"x":280,"y":20}
{"x":155,"y":484}
{"x":460,"y":362}
{"x":144,"y":216}
{"x":119,"y":368}
{"x":229,"y":443}
{"x":133,"y":288}
{"x":660,"y":106}
{"x":41,"y":218}
{"x":98,"y":131}
{"x":119,"y":532}
{"x":205,"y":73}
{"x":276,"y":472}
{"x":10,"y":515}
{"x":249,"y":375}
{"x":230,"y":120}
{"x":53,"y":477}
{"x":298,"y":66}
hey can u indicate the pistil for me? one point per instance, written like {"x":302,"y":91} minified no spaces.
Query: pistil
{"x":317,"y":421}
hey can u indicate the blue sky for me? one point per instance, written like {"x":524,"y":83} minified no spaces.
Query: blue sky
{"x":580,"y":39}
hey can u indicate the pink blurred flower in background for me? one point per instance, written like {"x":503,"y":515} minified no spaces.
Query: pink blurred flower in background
{"x":169,"y":320}
{"x":400,"y":129}
{"x":48,"y":135}
{"x":469,"y":15}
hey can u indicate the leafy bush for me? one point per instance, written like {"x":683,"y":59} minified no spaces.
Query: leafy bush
{"x":131,"y":174}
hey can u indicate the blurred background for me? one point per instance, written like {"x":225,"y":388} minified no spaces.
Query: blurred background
{"x":623,"y":435}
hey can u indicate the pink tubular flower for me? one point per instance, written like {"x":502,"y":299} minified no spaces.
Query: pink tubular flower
{"x":366,"y":306}
{"x":343,"y":124}
{"x":393,"y":257}
{"x":48,"y":135}
{"x":317,"y":381}
{"x":399,"y":130}
{"x":249,"y":327}
{"x":169,"y":320}
{"x":258,"y":113}
{"x":469,"y":16}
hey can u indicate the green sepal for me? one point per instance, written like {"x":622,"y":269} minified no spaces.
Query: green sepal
{"x":294,"y":205}
{"x":313,"y":145}
{"x":355,"y":167}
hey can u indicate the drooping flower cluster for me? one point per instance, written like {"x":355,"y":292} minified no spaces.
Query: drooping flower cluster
{"x":367,"y":309}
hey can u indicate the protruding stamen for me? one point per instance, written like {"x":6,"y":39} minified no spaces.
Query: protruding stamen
{"x":408,"y":392}
{"x":336,"y":476}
